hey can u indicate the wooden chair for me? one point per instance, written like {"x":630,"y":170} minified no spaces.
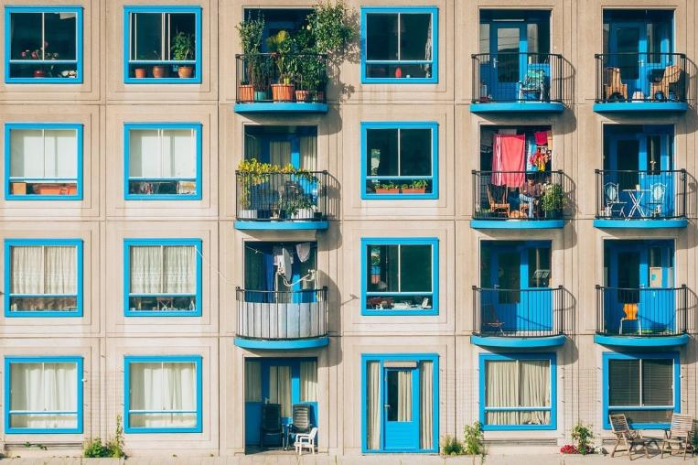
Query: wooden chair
{"x":498,"y":205}
{"x":672,"y":76}
{"x":631,"y":314}
{"x":612,"y":84}
{"x":628,"y":437}
{"x":679,"y":434}
{"x":490,"y":319}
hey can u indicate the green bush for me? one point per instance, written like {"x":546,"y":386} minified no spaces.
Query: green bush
{"x":473,"y":439}
{"x":451,"y":445}
{"x":583,"y":435}
{"x":113,"y":448}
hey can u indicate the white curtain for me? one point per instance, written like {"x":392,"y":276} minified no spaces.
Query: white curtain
{"x":522,"y":383}
{"x":253,"y":148}
{"x":146,"y":269}
{"x":426,"y":405}
{"x":44,"y":270}
{"x":280,"y":388}
{"x":534,"y":391}
{"x":163,"y":388}
{"x":253,"y":381}
{"x":308,"y":146}
{"x":44,"y":387}
{"x":163,"y":270}
{"x":180,"y":270}
{"x":162,"y":153}
{"x":309,"y":381}
{"x":38,"y":154}
{"x":60,"y":270}
{"x":404,"y":395}
{"x":280,"y":153}
{"x":501,"y":386}
{"x":373,"y":407}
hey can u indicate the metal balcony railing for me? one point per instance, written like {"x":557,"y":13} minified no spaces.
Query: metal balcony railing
{"x":641,"y":311}
{"x":641,"y":77}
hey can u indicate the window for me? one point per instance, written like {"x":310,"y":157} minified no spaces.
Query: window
{"x":399,"y":45}
{"x":645,"y":387}
{"x":163,"y":277}
{"x":400,"y":276}
{"x":163,"y":161}
{"x":162,"y":45}
{"x":162,"y":394}
{"x":43,"y":161}
{"x":44,"y":277}
{"x":43,"y":395}
{"x":399,"y":160}
{"x":518,"y":392}
{"x":43,"y":45}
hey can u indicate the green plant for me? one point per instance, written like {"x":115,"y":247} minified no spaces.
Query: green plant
{"x":281,"y":44}
{"x":554,"y":198}
{"x":332,"y":28}
{"x":183,"y":46}
{"x":386,"y":185}
{"x":29,"y":445}
{"x":583,"y":435}
{"x":113,"y":448}
{"x":419,"y":184}
{"x":473,"y":439}
{"x":451,"y":445}
{"x":255,"y":173}
{"x":251,"y":33}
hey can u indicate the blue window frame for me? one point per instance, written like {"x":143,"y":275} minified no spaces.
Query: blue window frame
{"x":43,"y":161}
{"x":31,"y":407}
{"x":162,"y":277}
{"x":43,"y":278}
{"x":644,"y":386}
{"x":390,"y":422}
{"x":162,"y":161}
{"x":538,"y":411}
{"x":399,"y":160}
{"x":399,"y":45}
{"x":400,"y":276}
{"x":144,"y":411}
{"x":43,"y":45}
{"x":158,"y":46}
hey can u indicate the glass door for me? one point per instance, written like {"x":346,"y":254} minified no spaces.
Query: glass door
{"x":507,"y":42}
{"x":401,"y":408}
{"x":628,"y":44}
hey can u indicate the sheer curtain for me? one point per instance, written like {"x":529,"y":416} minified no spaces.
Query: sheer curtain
{"x":179,"y":153}
{"x":426,"y":405}
{"x":534,"y":391}
{"x":161,"y":388}
{"x":513,"y":384}
{"x":253,"y":148}
{"x":404,"y":396}
{"x":27,"y":270}
{"x":180,"y":269}
{"x":253,"y":381}
{"x":501,"y":386}
{"x":144,"y":153}
{"x":280,"y":388}
{"x":40,"y":387}
{"x":44,"y":270}
{"x":146,"y":270}
{"x":280,"y":153}
{"x":60,"y":270}
{"x":163,"y":270}
{"x":43,"y":153}
{"x":308,"y":145}
{"x":309,"y":381}
{"x":373,"y":407}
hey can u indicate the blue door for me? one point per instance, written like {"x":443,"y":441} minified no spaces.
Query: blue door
{"x":401,"y":408}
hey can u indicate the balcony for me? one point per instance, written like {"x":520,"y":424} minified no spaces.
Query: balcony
{"x":281,"y":319}
{"x":281,"y":83}
{"x":642,"y":317}
{"x":630,"y":82}
{"x":538,"y":202}
{"x":518,"y":82}
{"x":274,"y":200}
{"x":641,"y":199}
{"x":518,"y":318}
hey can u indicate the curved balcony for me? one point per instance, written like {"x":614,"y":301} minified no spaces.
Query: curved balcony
{"x":641,"y":317}
{"x":281,"y":319}
{"x":518,"y":318}
{"x":641,"y":199}
{"x":628,"y":82}
{"x":281,"y":201}
{"x":518,"y":82}
{"x":280,"y":83}
{"x":537,"y":203}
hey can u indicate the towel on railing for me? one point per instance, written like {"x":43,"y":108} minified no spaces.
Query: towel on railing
{"x":509,"y":151}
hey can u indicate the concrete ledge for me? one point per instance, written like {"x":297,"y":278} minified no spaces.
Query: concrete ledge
{"x":516,"y":107}
{"x":517,"y":224}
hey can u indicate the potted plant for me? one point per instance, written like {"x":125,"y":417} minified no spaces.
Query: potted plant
{"x":553,"y":201}
{"x":388,"y":187}
{"x":139,"y":73}
{"x":280,"y":44}
{"x":418,"y":186}
{"x":183,"y":50}
{"x":251,"y":32}
{"x":159,"y":71}
{"x":251,"y":173}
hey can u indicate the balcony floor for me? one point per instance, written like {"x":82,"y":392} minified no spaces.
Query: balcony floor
{"x":519,"y":341}
{"x":281,"y":107}
{"x":284,"y":344}
{"x":640,"y":341}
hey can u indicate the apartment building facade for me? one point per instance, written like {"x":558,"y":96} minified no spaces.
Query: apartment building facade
{"x":489,"y":216}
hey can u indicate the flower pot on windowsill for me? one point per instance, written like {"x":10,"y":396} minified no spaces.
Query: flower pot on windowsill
{"x":414,"y":190}
{"x":282,"y":92}
{"x":185,"y":72}
{"x":246,"y":93}
{"x":381,"y":190}
{"x":39,"y":73}
{"x":139,"y":73}
{"x":302,"y":96}
{"x":19,"y":188}
{"x":260,"y":95}
{"x":159,"y":71}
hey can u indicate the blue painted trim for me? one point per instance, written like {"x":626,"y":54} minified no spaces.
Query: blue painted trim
{"x":78,"y":79}
{"x":381,"y":358}
{"x":631,"y":341}
{"x":282,"y":345}
{"x":518,"y":342}
{"x":129,"y":360}
{"x":637,"y":356}
{"x":196,"y":127}
{"x":281,"y":107}
{"x":517,"y":224}
{"x":515,"y":107}
{"x":434,"y":11}
{"x":641,"y":224}
{"x":49,"y":359}
{"x":431,"y":241}
{"x":78,"y":128}
{"x":128,"y":243}
{"x":640,"y":107}
{"x":196,"y":76}
{"x":298,"y":225}
{"x":433,"y":126}
{"x":77,"y":243}
{"x":484,"y":358}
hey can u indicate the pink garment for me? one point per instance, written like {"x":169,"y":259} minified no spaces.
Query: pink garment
{"x":508,"y":156}
{"x":541,"y":137}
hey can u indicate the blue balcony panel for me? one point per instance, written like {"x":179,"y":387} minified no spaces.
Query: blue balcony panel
{"x":638,"y":341}
{"x":641,"y":223}
{"x":628,"y":107}
{"x":516,"y":107}
{"x":297,"y":344}
{"x":517,"y":224}
{"x":281,"y":107}
{"x":518,"y":342}
{"x":280,"y":225}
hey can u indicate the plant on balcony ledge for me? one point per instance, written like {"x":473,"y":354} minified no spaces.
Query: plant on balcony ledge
{"x":553,"y":201}
{"x":183,"y":50}
{"x":254,"y":83}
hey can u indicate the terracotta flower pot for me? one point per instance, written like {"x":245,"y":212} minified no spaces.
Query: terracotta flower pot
{"x":282,"y":92}
{"x":140,"y":73}
{"x":380,"y":190}
{"x":159,"y":71}
{"x":39,"y":73}
{"x":417,"y":190}
{"x":185,"y":72}
{"x":319,"y":96}
{"x":245,"y":93}
{"x":302,"y":96}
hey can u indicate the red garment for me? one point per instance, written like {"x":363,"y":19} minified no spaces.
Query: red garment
{"x":541,"y":137}
{"x":508,"y":160}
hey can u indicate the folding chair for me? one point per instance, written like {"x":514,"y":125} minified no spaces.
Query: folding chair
{"x":628,"y":437}
{"x":679,"y":434}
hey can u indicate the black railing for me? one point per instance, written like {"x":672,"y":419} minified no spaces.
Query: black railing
{"x":274,"y":77}
{"x":281,"y":315}
{"x":627,"y":194}
{"x":518,"y":77}
{"x":536,"y":312}
{"x":532,"y":195}
{"x":641,"y":311}
{"x":299,"y":196}
{"x":641,"y":77}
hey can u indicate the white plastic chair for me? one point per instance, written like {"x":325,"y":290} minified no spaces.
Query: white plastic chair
{"x":305,"y":441}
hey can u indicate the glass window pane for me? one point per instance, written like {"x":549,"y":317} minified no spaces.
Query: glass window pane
{"x":61,"y":153}
{"x":399,"y":387}
{"x":179,"y":270}
{"x":146,"y":36}
{"x":25,"y":33}
{"x":623,"y":382}
{"x":27,"y":153}
{"x":145,"y":157}
{"x":146,"y":270}
{"x":539,"y":267}
{"x":383,"y":268}
{"x":658,"y":382}
{"x":185,"y":23}
{"x":415,"y":36}
{"x":646,"y":416}
{"x":179,"y":148}
{"x":381,"y":36}
{"x":146,"y":386}
{"x":416,"y":268}
{"x":382,"y":152}
{"x":415,"y":152}
{"x":60,"y":36}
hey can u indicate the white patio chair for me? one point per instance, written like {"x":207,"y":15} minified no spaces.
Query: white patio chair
{"x":305,"y":441}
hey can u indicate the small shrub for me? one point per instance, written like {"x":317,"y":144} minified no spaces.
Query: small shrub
{"x":583,"y":435}
{"x":568,"y":449}
{"x":450,"y":445}
{"x":473,"y":439}
{"x":113,"y":448}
